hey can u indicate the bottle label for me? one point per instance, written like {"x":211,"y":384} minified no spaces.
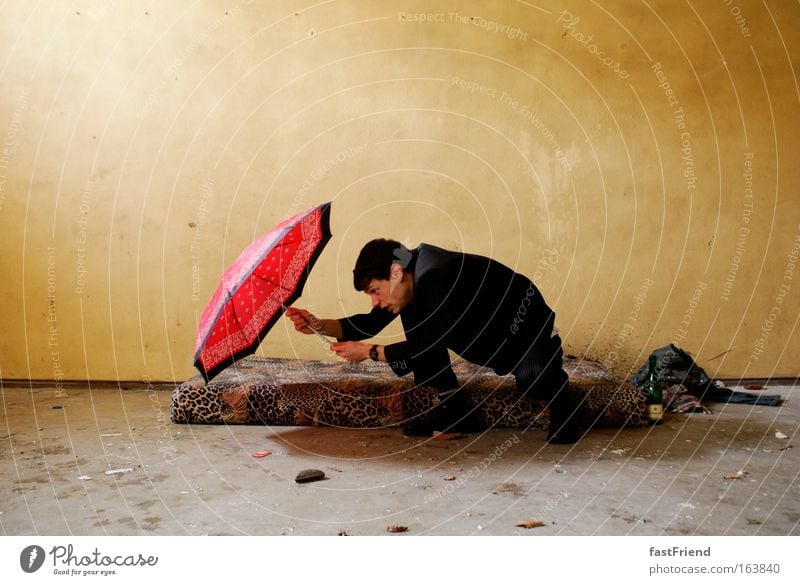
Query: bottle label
{"x":655,"y":411}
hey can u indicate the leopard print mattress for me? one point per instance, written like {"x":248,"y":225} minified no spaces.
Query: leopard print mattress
{"x":272,"y":391}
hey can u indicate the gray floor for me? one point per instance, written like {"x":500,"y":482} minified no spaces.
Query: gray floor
{"x":57,"y":447}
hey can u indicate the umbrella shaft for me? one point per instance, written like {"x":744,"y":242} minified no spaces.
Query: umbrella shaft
{"x":324,"y":339}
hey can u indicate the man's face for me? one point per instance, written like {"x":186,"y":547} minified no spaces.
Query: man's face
{"x":391,"y":295}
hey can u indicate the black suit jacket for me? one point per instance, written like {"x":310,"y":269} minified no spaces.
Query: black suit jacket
{"x":477,"y":307}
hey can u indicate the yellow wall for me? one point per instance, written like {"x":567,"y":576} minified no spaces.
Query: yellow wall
{"x":143,"y":147}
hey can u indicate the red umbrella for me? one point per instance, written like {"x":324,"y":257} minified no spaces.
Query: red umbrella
{"x":254,"y":291}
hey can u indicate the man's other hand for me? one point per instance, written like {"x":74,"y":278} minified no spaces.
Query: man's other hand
{"x":352,"y":351}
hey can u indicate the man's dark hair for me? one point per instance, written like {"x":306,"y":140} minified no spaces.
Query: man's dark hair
{"x":375,"y":261}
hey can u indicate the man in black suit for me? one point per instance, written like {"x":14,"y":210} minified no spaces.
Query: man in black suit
{"x":473,"y":305}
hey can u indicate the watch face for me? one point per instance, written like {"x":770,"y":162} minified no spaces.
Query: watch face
{"x":373,"y":353}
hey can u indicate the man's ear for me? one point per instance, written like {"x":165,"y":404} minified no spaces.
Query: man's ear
{"x":396,"y":273}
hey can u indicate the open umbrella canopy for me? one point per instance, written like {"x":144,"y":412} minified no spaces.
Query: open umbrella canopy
{"x":267,"y":277}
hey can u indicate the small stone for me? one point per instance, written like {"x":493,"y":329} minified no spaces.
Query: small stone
{"x":308,"y":475}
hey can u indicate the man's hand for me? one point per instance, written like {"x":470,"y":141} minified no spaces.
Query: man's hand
{"x":352,"y":351}
{"x":303,"y":320}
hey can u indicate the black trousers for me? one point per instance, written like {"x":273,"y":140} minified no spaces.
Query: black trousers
{"x":540,"y":373}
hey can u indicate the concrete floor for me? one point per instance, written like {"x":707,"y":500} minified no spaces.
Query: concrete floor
{"x":56,"y":448}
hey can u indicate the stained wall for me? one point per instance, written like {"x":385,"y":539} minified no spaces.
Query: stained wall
{"x":638,"y":159}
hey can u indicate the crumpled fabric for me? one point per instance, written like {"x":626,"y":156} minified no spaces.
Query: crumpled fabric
{"x":678,"y":399}
{"x":722,"y":394}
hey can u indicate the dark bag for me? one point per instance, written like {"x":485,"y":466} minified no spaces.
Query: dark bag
{"x":675,"y":366}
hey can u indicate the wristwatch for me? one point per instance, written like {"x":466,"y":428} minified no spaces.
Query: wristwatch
{"x":373,"y":353}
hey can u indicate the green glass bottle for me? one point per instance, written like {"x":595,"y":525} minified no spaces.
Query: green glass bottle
{"x":654,"y":397}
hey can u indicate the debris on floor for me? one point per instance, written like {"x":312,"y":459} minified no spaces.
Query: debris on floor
{"x":738,"y":475}
{"x":260,"y":454}
{"x":779,"y":449}
{"x":530,"y":524}
{"x":396,"y":528}
{"x":308,"y":475}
